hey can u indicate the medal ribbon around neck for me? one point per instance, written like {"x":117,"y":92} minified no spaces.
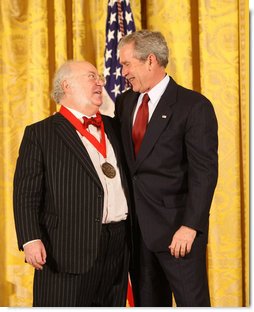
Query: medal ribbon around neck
{"x":100,"y":146}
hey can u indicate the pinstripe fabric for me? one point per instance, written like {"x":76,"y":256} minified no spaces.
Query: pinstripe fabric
{"x":104,"y":285}
{"x":58,"y":196}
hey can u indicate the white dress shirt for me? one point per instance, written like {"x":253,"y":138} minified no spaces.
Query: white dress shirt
{"x":154,"y":96}
{"x":115,"y":204}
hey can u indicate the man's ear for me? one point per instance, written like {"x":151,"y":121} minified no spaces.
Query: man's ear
{"x":152,"y":59}
{"x":65,"y":85}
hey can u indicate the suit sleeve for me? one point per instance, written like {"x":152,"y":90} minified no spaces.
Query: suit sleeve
{"x":201,"y":142}
{"x":28,"y":188}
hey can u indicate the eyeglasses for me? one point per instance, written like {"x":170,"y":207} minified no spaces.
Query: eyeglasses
{"x":94,"y":77}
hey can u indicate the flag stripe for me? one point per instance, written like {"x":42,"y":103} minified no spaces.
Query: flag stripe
{"x":119,"y":23}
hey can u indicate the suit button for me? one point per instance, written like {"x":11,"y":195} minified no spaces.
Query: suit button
{"x":97,"y":220}
{"x":134,"y":178}
{"x":99,"y":196}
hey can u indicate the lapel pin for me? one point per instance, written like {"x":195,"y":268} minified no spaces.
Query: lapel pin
{"x":164,"y":116}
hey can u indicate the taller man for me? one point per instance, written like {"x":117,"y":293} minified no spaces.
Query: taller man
{"x":170,"y":142}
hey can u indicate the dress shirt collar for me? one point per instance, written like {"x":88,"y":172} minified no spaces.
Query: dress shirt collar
{"x":156,"y":92}
{"x":78,"y":115}
{"x":154,"y":96}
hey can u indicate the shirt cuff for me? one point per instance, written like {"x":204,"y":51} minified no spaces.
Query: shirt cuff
{"x":34,"y":240}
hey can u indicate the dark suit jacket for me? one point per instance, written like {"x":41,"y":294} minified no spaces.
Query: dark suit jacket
{"x":175,"y":172}
{"x":58,"y":196}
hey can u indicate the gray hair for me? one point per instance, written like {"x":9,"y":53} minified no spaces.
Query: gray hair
{"x":62,"y":73}
{"x":147,"y":42}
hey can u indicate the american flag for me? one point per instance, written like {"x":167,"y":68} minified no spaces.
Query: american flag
{"x":119,"y":23}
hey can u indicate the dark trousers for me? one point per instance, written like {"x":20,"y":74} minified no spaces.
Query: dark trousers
{"x":155,"y":276}
{"x":105,"y":285}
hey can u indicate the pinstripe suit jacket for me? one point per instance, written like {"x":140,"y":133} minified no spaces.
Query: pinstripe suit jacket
{"x":58,"y":196}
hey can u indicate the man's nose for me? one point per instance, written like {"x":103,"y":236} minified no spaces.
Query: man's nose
{"x":124,"y":72}
{"x":101,"y":81}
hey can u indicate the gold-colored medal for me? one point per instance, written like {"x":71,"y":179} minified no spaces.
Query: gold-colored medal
{"x":108,"y":170}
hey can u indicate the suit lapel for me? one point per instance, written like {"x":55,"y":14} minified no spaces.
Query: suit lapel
{"x":114,"y":141}
{"x":70,"y":137}
{"x":130,"y":103}
{"x":158,"y":122}
{"x":110,"y":134}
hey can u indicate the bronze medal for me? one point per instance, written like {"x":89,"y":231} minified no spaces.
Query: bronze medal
{"x":108,"y":170}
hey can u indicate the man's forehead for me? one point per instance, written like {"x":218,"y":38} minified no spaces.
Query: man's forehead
{"x":85,"y":66}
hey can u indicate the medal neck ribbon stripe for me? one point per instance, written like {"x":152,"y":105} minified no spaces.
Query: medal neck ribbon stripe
{"x":100,"y":146}
{"x":107,"y":168}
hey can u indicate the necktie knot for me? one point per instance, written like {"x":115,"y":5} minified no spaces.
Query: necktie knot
{"x":96,"y":121}
{"x":145,"y":99}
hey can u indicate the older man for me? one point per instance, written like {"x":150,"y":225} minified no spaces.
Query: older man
{"x":70,"y":198}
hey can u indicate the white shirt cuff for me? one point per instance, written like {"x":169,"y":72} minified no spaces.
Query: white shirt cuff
{"x":34,"y":240}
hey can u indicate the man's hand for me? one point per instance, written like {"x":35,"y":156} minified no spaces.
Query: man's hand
{"x":182,"y":241}
{"x":35,"y":254}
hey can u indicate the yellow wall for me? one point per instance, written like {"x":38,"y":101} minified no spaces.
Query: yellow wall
{"x":208,"y":41}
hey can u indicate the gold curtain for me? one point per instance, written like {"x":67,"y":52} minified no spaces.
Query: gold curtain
{"x":209,"y":52}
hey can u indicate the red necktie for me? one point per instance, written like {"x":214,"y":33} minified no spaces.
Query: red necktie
{"x":140,"y":124}
{"x":96,"y":121}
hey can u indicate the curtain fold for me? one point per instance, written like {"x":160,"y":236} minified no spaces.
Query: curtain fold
{"x":244,"y":46}
{"x":209,"y":52}
{"x":219,"y":70}
{"x":173,"y":19}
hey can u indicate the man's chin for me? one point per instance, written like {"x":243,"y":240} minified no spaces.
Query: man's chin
{"x":98,"y":104}
{"x":135,"y":89}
